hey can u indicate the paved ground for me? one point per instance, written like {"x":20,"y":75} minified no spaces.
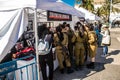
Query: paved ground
{"x":106,"y":68}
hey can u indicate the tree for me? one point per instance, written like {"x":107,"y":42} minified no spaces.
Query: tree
{"x":116,"y":1}
{"x":98,"y":12}
{"x":87,"y":4}
{"x":104,"y":11}
{"x":113,"y":8}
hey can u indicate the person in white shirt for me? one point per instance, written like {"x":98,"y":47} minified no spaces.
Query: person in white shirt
{"x":105,"y":39}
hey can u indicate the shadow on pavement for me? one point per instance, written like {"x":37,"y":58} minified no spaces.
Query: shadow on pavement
{"x":80,"y":74}
{"x":83,"y":74}
{"x":108,"y":61}
{"x":100,"y":66}
{"x":115,"y":52}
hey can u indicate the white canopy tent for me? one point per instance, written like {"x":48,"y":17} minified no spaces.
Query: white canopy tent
{"x":60,"y":6}
{"x":115,"y":16}
{"x":16,"y":18}
{"x":88,"y":15}
{"x":12,"y":25}
{"x":52,"y":5}
{"x":16,"y":4}
{"x":13,"y":20}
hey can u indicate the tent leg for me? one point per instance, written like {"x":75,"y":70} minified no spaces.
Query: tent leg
{"x":36,"y":44}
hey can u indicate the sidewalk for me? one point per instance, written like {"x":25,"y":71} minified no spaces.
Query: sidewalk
{"x":106,"y":68}
{"x":115,"y":29}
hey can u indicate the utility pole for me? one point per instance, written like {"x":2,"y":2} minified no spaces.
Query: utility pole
{"x":110,"y":22}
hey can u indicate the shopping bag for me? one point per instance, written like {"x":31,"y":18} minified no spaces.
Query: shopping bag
{"x":106,"y":40}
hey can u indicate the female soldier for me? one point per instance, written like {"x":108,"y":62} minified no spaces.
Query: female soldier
{"x":79,"y":49}
{"x":92,"y":45}
{"x":60,"y":40}
{"x":70,"y":34}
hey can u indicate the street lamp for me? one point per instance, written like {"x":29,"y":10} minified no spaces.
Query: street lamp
{"x":110,"y":22}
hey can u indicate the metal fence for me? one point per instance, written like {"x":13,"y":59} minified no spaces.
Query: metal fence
{"x":19,"y":69}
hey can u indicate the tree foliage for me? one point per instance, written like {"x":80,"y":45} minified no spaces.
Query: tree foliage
{"x":115,"y":1}
{"x":103,"y":11}
{"x":87,"y":4}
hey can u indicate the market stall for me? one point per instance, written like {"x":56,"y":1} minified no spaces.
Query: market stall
{"x":14,"y":20}
{"x":18,"y":19}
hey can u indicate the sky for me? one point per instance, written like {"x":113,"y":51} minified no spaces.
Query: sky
{"x":70,"y":2}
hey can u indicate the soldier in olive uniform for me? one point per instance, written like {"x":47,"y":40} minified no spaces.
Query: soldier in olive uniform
{"x":61,"y":39}
{"x":92,"y":45}
{"x":86,"y":45}
{"x":79,"y":49}
{"x":70,"y":34}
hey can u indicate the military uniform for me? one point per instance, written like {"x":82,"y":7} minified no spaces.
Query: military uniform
{"x":70,"y":34}
{"x":61,"y":55}
{"x":86,"y":44}
{"x":92,"y":41}
{"x":79,"y":49}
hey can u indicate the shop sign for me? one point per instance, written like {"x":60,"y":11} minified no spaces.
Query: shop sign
{"x":57,"y":16}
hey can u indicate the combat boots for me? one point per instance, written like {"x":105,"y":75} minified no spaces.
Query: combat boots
{"x":69,"y":70}
{"x":91,"y":65}
{"x":62,"y":71}
{"x":76,"y":68}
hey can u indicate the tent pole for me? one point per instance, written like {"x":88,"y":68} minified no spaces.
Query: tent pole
{"x":36,"y":44}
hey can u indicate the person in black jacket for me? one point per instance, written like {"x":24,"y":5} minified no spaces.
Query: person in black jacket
{"x":48,"y":58}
